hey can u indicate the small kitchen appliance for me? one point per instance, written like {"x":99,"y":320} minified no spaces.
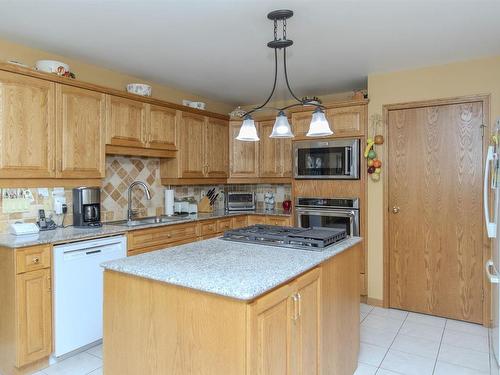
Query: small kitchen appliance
{"x":326,"y":160}
{"x":315,"y":239}
{"x":87,"y":207}
{"x":240,"y":201}
{"x":339,"y":213}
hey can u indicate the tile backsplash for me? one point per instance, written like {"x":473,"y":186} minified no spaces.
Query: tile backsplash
{"x":120,"y":172}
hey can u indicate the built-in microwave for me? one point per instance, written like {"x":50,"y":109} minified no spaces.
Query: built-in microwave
{"x":336,"y":159}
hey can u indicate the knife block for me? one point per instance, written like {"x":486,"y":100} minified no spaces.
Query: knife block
{"x":204,"y":206}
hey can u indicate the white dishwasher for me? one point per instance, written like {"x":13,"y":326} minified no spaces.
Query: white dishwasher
{"x":78,"y":290}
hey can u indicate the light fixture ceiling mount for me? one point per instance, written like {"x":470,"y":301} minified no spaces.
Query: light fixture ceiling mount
{"x":319,"y":124}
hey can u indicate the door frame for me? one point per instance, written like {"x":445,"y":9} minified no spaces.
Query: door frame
{"x":485,"y":100}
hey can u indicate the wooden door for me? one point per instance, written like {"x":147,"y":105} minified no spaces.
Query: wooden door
{"x":269,"y":151}
{"x":307,"y":326}
{"x":192,"y":146}
{"x":81,"y":125}
{"x":162,"y":128}
{"x":270,"y":334}
{"x":243,"y":156}
{"x":125,"y":122}
{"x":217,"y":149}
{"x":34,"y":326}
{"x":347,"y":121}
{"x":27,"y":127}
{"x":435,"y":202}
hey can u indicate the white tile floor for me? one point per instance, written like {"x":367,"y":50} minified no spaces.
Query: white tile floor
{"x":392,"y":342}
{"x":397,"y":342}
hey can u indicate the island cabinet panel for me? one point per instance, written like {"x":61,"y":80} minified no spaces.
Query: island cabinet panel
{"x":278,"y":220}
{"x":243,"y":156}
{"x":256,"y":219}
{"x":81,"y":126}
{"x":27,"y":127}
{"x":162,"y":129}
{"x":239,"y":222}
{"x":125,"y":122}
{"x":157,"y":328}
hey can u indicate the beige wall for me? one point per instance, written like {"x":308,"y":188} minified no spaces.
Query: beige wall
{"x":102,"y":76}
{"x":444,"y":81}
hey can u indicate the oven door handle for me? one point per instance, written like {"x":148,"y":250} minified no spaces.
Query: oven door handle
{"x":320,"y":212}
{"x":347,"y":160}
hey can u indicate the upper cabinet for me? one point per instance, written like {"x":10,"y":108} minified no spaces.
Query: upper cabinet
{"x":203,"y":151}
{"x":161,"y":124}
{"x":81,"y":124}
{"x":243,"y":156}
{"x":27,"y":127}
{"x":347,"y":121}
{"x":193,"y":135}
{"x":217,"y":149}
{"x":265,"y":160}
{"x":126,"y":122}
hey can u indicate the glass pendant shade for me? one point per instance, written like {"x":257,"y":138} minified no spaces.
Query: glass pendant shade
{"x":281,"y":128}
{"x":319,"y":125}
{"x":248,"y":131}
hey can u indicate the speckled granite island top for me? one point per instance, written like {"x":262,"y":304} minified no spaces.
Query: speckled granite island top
{"x":231,"y":269}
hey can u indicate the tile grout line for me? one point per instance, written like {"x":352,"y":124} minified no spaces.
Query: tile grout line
{"x":394,"y":339}
{"x":439,"y":349}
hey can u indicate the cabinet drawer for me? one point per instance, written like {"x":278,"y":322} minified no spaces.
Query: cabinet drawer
{"x":156,"y":237}
{"x":163,"y":246}
{"x":32,"y":258}
{"x":256,"y":219}
{"x":239,"y":222}
{"x":223,"y":225}
{"x":277,"y":220}
{"x":208,"y":227}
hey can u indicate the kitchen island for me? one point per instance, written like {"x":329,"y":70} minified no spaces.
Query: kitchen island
{"x":220,"y":307}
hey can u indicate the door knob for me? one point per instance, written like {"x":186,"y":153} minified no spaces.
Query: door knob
{"x":395,"y":209}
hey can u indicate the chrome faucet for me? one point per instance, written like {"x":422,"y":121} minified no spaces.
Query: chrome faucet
{"x":130,"y":212}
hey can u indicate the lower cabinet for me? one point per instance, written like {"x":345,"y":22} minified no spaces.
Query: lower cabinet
{"x":25,"y":309}
{"x":285,"y":329}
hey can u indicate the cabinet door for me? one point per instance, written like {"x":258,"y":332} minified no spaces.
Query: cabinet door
{"x":162,"y":128}
{"x":27,"y":127}
{"x":125,"y":122}
{"x":256,"y":219}
{"x":217,"y":149}
{"x":307,"y":329}
{"x":80,"y":132}
{"x":243,"y":156}
{"x":192,"y":149}
{"x":269,"y":152}
{"x":347,"y":121}
{"x":34,"y":326}
{"x":286,"y":158}
{"x":271,"y":330}
{"x":300,"y":124}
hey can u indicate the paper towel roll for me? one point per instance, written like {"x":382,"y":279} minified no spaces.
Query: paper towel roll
{"x":169,"y":202}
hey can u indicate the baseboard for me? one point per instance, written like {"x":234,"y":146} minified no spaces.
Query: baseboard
{"x":374,"y":302}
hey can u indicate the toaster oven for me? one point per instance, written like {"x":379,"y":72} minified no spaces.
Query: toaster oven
{"x":240,"y":201}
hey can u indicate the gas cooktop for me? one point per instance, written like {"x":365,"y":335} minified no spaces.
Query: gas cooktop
{"x":298,"y":238}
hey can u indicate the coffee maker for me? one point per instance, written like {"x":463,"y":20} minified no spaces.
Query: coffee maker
{"x":87,"y":207}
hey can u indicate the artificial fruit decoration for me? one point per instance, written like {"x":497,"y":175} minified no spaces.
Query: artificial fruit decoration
{"x":375,"y":177}
{"x":377,"y":163}
{"x":379,"y":139}
{"x":371,"y":170}
{"x":372,"y":154}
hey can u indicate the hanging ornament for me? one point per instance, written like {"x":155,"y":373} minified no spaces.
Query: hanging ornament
{"x":374,"y":164}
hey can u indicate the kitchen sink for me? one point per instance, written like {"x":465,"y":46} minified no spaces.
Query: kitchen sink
{"x":149,"y":220}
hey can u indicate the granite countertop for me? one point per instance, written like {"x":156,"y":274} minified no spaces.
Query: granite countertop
{"x":232,"y":269}
{"x":70,"y":234}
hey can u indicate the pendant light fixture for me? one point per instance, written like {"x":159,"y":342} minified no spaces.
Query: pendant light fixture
{"x":319,"y":124}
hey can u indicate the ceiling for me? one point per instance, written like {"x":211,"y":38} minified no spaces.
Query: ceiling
{"x":217,"y":48}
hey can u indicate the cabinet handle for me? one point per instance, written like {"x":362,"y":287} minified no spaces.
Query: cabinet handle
{"x":294,"y":298}
{"x":36,"y":260}
{"x":300,"y":304}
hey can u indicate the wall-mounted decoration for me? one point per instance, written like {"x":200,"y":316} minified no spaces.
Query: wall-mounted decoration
{"x":374,"y":163}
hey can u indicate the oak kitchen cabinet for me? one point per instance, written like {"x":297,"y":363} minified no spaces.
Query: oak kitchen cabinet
{"x":275,"y":155}
{"x":203,"y":151}
{"x":346,"y":121}
{"x":27,"y":127}
{"x":125,"y":122}
{"x":80,"y":130}
{"x":162,"y":129}
{"x":243,"y":156}
{"x":285,"y":328}
{"x":26,"y":308}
